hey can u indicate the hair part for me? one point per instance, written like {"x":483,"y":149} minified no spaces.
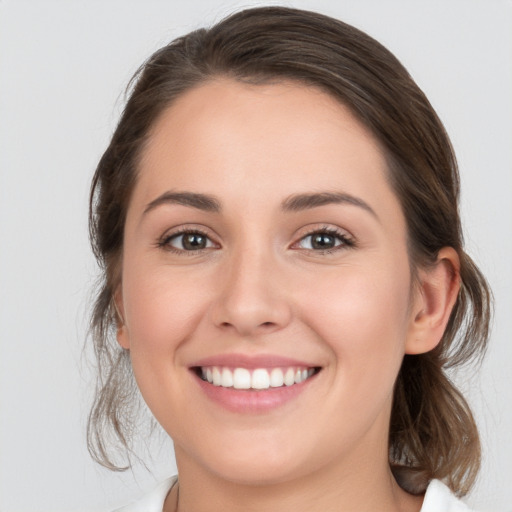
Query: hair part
{"x":432,"y":431}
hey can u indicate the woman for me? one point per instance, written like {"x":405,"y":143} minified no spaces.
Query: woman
{"x":276,"y":216}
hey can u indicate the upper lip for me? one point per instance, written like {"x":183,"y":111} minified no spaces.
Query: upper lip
{"x":252,"y":361}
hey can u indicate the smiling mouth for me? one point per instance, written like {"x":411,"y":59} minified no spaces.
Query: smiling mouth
{"x":258,"y":379}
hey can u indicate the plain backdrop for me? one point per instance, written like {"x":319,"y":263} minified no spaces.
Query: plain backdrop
{"x":63,"y":69}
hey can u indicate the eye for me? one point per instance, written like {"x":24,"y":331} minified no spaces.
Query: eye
{"x":188,"y":241}
{"x":324,"y":240}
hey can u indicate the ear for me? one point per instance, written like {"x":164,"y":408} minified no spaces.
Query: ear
{"x":433,"y":302}
{"x":122,"y":330}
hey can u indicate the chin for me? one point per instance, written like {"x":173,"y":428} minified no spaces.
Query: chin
{"x":256,"y":473}
{"x":258,"y":463}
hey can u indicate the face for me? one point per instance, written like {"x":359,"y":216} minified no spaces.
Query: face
{"x":266,"y":291}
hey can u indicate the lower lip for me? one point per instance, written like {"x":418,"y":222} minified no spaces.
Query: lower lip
{"x":252,"y":401}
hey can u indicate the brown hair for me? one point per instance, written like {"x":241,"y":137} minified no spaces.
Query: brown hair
{"x":432,"y":431}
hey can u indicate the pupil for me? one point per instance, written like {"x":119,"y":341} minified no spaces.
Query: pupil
{"x":194,"y":241}
{"x":322,"y":241}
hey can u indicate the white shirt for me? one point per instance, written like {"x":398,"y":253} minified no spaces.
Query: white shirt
{"x":438,"y":498}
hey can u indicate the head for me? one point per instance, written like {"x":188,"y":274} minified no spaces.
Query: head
{"x":276,"y":51}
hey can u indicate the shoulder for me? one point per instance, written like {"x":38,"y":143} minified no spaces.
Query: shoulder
{"x":153,"y":501}
{"x":439,"y":498}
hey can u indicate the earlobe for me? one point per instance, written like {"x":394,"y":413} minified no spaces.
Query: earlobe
{"x":122,"y":337}
{"x":122,"y":333}
{"x":436,"y":295}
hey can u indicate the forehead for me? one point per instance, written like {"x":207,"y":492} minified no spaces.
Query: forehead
{"x":255,"y":143}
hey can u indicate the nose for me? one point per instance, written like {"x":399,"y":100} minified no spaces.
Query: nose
{"x":252,"y":299}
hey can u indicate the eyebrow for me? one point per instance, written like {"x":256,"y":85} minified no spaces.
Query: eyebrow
{"x":294,"y":203}
{"x":200,"y":201}
{"x":299,"y":202}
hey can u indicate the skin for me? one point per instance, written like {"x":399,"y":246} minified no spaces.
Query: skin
{"x":259,"y":288}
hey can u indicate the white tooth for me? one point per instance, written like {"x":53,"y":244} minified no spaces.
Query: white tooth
{"x":289,"y":377}
{"x":304,"y":374}
{"x":241,"y":378}
{"x":227,"y":378}
{"x":311,"y":371}
{"x":260,"y":379}
{"x":203,"y":373}
{"x":209,"y":376}
{"x":276,"y":378}
{"x":298,"y":377}
{"x":216,"y":376}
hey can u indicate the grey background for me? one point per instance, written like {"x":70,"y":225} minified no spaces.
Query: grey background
{"x":63,"y":67}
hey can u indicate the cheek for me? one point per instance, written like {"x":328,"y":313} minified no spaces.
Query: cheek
{"x":163,"y":311}
{"x":162,"y":308}
{"x":362,"y":313}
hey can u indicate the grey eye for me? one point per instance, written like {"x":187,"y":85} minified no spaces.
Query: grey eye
{"x":321,"y":241}
{"x":190,"y":241}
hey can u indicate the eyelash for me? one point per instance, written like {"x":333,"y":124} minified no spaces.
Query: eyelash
{"x":347,"y":242}
{"x":164,"y":242}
